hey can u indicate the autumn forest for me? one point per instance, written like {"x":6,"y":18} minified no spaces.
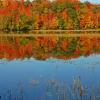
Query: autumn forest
{"x":25,"y":16}
{"x":49,"y":50}
{"x":45,"y":15}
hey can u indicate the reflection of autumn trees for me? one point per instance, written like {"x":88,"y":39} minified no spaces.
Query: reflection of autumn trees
{"x":42,"y":14}
{"x":46,"y":47}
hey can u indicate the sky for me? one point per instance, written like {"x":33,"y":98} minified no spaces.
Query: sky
{"x":93,"y":1}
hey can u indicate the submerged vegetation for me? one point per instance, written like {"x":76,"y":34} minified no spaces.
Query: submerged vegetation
{"x":45,"y":47}
{"x":43,"y":14}
{"x":57,"y":17}
{"x":52,"y":90}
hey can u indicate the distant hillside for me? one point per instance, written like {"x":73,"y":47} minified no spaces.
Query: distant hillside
{"x":43,"y":14}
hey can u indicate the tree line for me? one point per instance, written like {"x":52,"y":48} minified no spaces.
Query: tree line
{"x":43,"y":14}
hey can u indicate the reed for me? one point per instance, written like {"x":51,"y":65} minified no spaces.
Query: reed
{"x":55,"y":90}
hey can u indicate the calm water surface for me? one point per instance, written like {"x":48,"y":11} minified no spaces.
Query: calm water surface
{"x":24,"y":72}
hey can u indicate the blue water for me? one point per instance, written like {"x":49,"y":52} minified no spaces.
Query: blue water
{"x":12,"y":73}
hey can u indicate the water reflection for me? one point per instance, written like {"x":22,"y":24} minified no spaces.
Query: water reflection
{"x":56,"y":74}
{"x":43,"y":48}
